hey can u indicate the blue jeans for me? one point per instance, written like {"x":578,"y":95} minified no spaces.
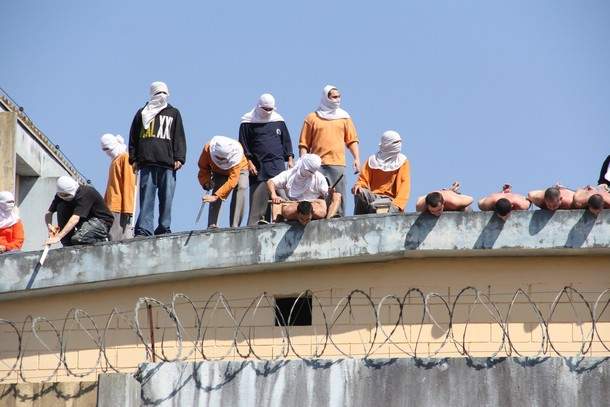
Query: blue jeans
{"x":163,"y":182}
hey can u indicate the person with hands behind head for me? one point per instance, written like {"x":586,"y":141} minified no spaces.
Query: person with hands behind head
{"x":326,"y":132}
{"x":223,"y":168}
{"x":503,"y":203}
{"x":446,"y":199}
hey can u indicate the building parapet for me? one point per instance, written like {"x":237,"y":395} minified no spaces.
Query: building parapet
{"x":368,"y":238}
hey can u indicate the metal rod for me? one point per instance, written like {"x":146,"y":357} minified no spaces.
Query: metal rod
{"x":152,"y":333}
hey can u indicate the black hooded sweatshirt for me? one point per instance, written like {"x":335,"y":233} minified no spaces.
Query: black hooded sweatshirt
{"x":162,"y":143}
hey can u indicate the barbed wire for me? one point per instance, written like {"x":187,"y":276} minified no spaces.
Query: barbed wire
{"x":402,"y":330}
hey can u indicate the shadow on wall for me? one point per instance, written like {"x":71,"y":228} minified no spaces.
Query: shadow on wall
{"x":579,"y":233}
{"x":49,"y":394}
{"x":420,"y":229}
{"x":289,"y":242}
{"x":539,"y":220}
{"x":490,"y":233}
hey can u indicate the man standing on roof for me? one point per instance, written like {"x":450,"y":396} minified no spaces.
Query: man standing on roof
{"x":224,"y":168}
{"x":326,"y":132}
{"x":157,"y":147}
{"x":264,"y":136}
{"x":82,"y":215}
{"x":120,"y":190}
{"x":385,"y":176}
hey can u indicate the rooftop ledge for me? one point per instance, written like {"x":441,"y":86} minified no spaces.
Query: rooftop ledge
{"x":343,"y":240}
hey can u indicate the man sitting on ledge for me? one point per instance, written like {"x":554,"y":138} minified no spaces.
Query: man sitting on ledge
{"x":449,"y":199}
{"x":503,"y":203}
{"x":593,"y":198}
{"x":553,"y":198}
{"x":384,"y":178}
{"x":302,"y":183}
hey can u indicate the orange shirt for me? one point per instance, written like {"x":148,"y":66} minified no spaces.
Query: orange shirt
{"x":327,"y":138}
{"x":12,"y":237}
{"x":395,"y":184}
{"x":207,"y":166}
{"x":121,"y":188}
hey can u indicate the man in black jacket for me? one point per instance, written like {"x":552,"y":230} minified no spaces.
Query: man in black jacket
{"x":267,"y":146}
{"x":157,"y":147}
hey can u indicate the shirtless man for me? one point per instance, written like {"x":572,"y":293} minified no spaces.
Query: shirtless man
{"x":503,"y":203}
{"x":553,"y":198}
{"x":593,"y":198}
{"x":301,"y":193}
{"x":445,"y":199}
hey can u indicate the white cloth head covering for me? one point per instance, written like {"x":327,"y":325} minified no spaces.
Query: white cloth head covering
{"x":157,"y":102}
{"x":113,"y":145}
{"x":259,"y":115}
{"x":303,"y":176}
{"x":9,"y":215}
{"x":67,"y":185}
{"x":225,"y":152}
{"x":607,"y":176}
{"x":388,"y":158}
{"x":329,"y":109}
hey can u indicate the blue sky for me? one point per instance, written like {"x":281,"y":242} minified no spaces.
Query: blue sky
{"x":484,"y":92}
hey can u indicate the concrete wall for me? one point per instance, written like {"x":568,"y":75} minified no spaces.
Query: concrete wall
{"x":498,"y":277}
{"x":388,"y":383}
{"x":30,"y":170}
{"x":81,"y":394}
{"x":346,"y":240}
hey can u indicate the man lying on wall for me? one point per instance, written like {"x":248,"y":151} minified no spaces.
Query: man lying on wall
{"x":552,"y":198}
{"x":503,"y":203}
{"x":448,"y":199}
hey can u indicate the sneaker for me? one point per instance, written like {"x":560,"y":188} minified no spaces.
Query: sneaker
{"x":262,"y":222}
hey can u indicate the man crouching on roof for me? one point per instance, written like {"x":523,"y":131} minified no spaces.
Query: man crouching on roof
{"x":302,"y":193}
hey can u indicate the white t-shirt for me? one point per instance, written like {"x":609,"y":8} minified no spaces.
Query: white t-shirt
{"x":316,"y":189}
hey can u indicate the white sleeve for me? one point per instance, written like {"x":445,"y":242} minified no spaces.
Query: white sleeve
{"x":281,"y":179}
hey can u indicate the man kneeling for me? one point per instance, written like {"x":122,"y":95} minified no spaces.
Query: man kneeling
{"x":449,"y":199}
{"x":82,"y":215}
{"x":503,"y":203}
{"x":301,"y":193}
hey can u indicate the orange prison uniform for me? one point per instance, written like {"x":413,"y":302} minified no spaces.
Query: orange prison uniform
{"x":395,"y":184}
{"x":327,"y":138}
{"x":121,"y":187}
{"x":207,"y":166}
{"x":12,"y":237}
